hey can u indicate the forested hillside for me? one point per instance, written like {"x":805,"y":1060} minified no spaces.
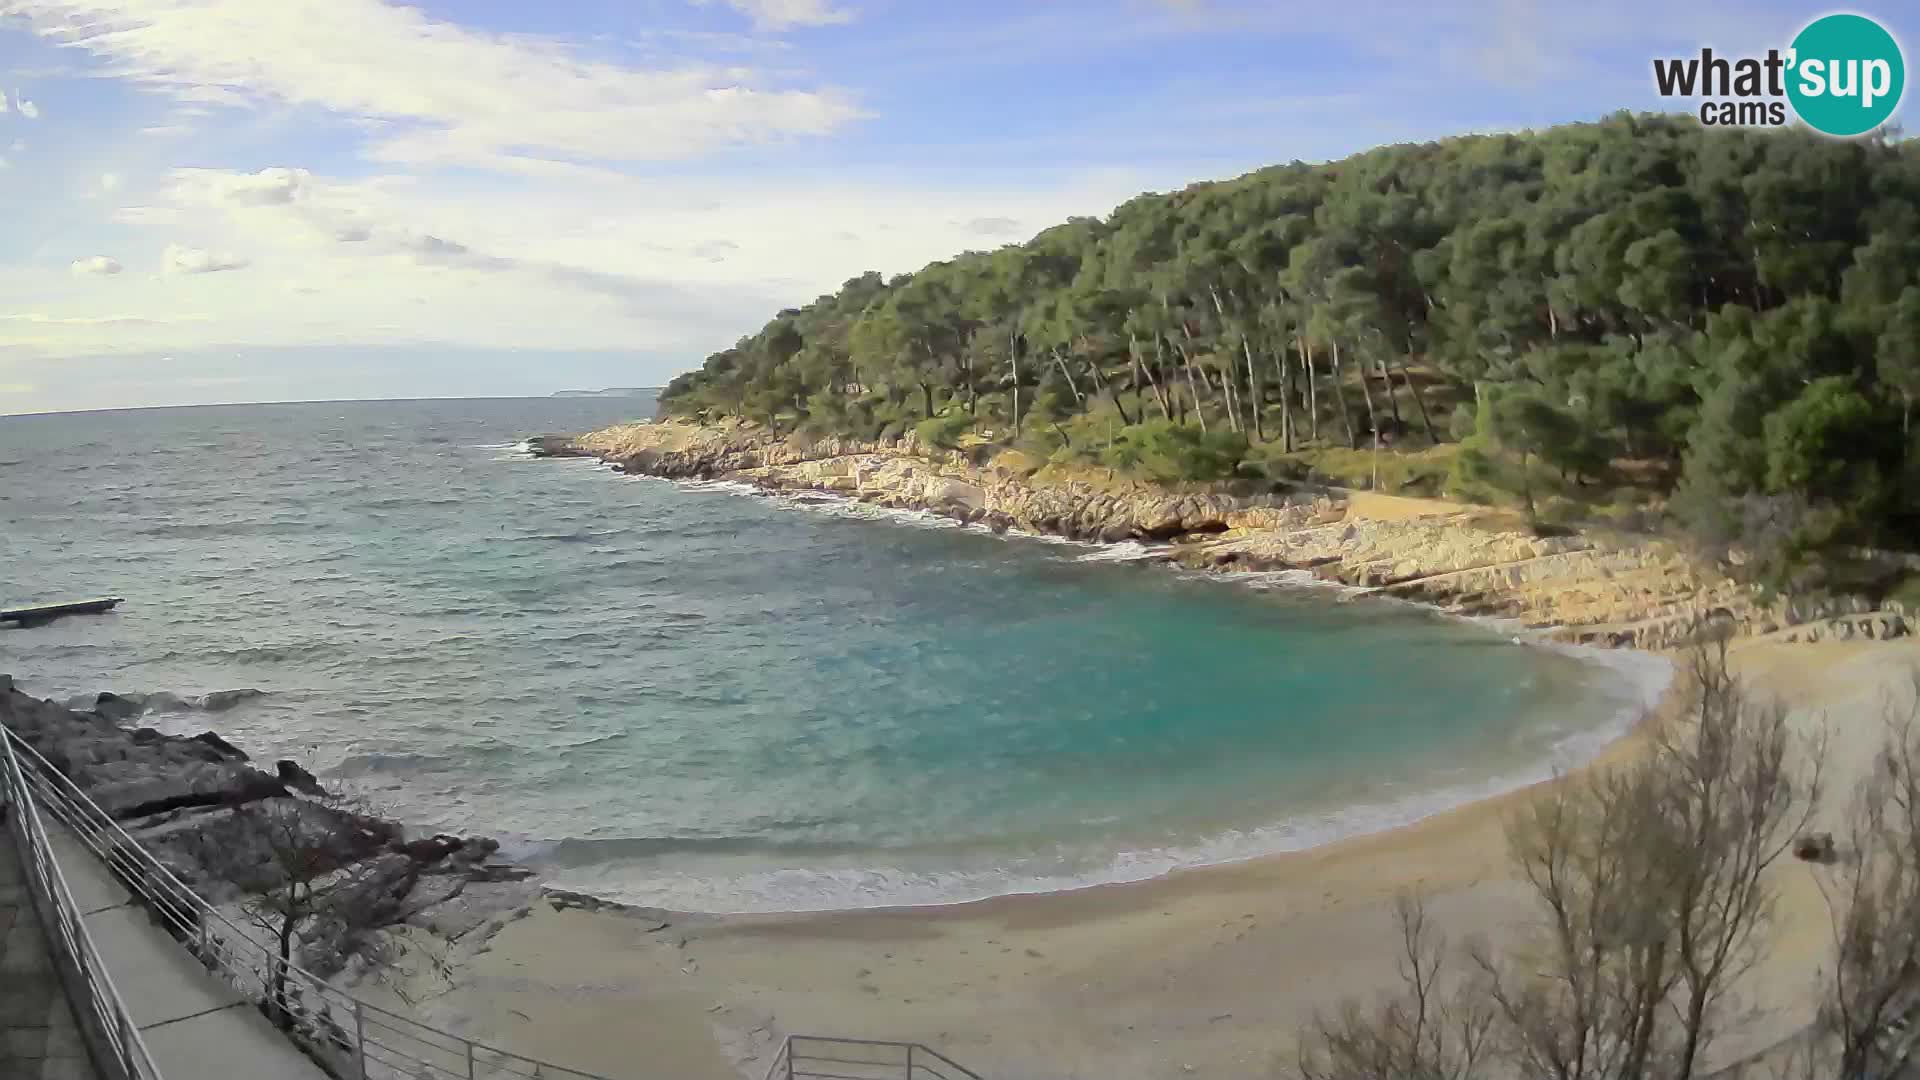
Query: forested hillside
{"x":1711,"y":330}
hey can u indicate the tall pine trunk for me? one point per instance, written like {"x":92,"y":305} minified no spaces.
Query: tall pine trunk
{"x":1286,"y":397}
{"x":1186,"y":355}
{"x":1112,"y":391}
{"x":1340,"y":397}
{"x":1013,"y":359}
{"x":1419,"y":401}
{"x":1193,"y":381}
{"x":973,"y":387}
{"x":1071,"y":385}
{"x":1193,"y":391}
{"x":1141,"y":370}
{"x":1386,"y":381}
{"x":1313,"y":392}
{"x":1366,"y":391}
{"x":1255,"y":392}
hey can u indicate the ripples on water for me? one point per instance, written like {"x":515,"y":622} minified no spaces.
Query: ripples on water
{"x":693,"y":697}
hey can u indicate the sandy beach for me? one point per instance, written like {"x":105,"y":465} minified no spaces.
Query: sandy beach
{"x":1205,"y":972}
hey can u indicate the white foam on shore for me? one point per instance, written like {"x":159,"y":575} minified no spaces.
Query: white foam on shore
{"x":1124,"y":551}
{"x":1633,"y":682}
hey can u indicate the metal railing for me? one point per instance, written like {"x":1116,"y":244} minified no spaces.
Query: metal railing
{"x":813,"y":1057}
{"x":118,"y":1050}
{"x":352,"y":1037}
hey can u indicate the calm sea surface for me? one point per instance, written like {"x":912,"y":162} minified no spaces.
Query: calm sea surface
{"x":693,"y":697}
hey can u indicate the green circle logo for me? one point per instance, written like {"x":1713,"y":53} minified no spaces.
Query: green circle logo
{"x":1847,"y":75}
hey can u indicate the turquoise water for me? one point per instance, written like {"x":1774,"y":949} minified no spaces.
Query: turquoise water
{"x":690,"y":696}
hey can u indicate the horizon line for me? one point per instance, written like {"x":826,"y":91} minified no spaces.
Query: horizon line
{"x":555,"y":395}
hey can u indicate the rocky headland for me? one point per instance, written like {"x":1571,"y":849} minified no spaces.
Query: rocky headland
{"x":1601,"y":588}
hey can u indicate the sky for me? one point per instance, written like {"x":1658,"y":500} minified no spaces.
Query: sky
{"x":269,"y":200}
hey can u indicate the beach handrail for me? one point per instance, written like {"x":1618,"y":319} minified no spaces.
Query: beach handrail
{"x":829,"y":1057}
{"x":359,"y":1039}
{"x":118,"y":1051}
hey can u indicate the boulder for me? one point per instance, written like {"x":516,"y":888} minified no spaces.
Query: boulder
{"x":431,"y":849}
{"x":116,"y":707}
{"x":227,"y":750}
{"x":543,"y":446}
{"x":298,"y":778}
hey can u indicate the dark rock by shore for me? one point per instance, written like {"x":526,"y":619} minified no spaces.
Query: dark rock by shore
{"x":554,"y":446}
{"x":178,"y":796}
{"x":119,"y":707}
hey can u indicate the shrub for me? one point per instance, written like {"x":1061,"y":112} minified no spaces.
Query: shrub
{"x":944,"y":431}
{"x":1172,"y":453}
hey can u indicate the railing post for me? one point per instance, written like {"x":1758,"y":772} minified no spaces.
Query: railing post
{"x":909,"y":1061}
{"x":360,"y":1036}
{"x":126,"y":1042}
{"x":469,"y":1043}
{"x":789,"y":1057}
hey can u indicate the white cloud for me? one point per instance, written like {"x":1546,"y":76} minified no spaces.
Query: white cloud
{"x":187,"y":260}
{"x":18,"y":145}
{"x":436,"y":92}
{"x":992,"y":226}
{"x":676,"y":266}
{"x":37,"y":318}
{"x":146,"y":215}
{"x":785,"y":14}
{"x":27,"y":108}
{"x":264,"y":188}
{"x":110,"y":182}
{"x":96,"y":266}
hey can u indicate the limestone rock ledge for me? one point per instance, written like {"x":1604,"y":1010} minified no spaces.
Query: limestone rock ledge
{"x":1599,"y":589}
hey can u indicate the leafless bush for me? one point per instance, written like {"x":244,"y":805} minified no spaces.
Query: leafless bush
{"x":1873,"y":899}
{"x":1653,"y":883}
{"x":293,"y":860}
{"x":1428,"y":1031}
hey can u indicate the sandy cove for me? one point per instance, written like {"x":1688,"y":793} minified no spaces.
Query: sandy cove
{"x":1205,"y":972}
{"x":1209,"y":971}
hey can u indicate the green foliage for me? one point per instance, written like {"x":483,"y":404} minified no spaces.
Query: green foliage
{"x":1811,"y":439}
{"x":1729,"y":317}
{"x":1475,"y":473}
{"x":1172,"y":453}
{"x":1424,"y":473}
{"x":1906,"y":593}
{"x":944,"y":431}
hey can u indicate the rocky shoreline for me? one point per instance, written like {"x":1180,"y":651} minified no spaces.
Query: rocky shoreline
{"x":176,"y":796}
{"x":1593,"y":588}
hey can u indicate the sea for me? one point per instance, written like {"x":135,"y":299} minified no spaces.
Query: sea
{"x":697,"y":697}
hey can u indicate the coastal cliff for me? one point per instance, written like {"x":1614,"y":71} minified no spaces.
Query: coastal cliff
{"x":1594,"y":588}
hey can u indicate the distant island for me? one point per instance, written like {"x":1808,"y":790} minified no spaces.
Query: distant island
{"x":611,"y":391}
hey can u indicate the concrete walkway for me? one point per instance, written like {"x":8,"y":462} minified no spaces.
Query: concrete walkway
{"x":38,"y":1040}
{"x":194,"y":1024}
